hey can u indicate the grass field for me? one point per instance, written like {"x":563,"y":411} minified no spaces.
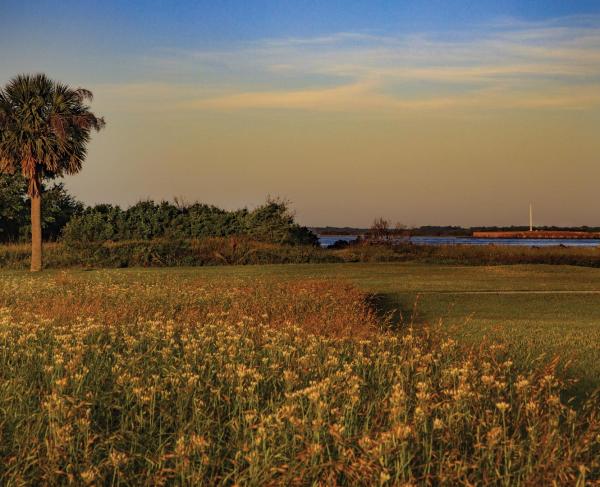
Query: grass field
{"x":537,"y":309}
{"x":540,"y":310}
{"x":284,"y":375}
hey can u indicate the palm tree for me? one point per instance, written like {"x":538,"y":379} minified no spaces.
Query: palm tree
{"x":44,"y":129}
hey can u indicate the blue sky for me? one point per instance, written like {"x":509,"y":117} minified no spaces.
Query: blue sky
{"x":82,"y":37}
{"x":135,"y":25}
{"x":333,"y":104}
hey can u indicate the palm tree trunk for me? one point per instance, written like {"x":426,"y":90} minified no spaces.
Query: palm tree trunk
{"x":36,"y":233}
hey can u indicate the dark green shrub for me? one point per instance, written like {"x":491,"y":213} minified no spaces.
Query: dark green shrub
{"x":15,"y":226}
{"x":146,"y":220}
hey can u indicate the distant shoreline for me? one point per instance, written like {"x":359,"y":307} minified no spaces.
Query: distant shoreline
{"x":456,"y":231}
{"x":539,"y":234}
{"x":483,"y":239}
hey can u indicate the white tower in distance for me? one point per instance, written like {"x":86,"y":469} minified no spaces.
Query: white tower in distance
{"x":530,"y":217}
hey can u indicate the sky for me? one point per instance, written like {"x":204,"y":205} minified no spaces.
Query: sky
{"x":436,"y":112}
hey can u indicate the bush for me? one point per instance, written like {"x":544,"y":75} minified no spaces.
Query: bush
{"x":146,"y":220}
{"x":15,"y":224}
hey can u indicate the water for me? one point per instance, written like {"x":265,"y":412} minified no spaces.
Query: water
{"x":327,"y":240}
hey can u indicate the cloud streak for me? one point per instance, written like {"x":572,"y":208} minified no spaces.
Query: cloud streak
{"x":509,"y":64}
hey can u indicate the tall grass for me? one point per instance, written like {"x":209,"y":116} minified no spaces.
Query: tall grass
{"x":244,"y":251}
{"x":125,"y":382}
{"x":165,"y":253}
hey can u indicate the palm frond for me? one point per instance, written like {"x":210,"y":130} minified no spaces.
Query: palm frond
{"x":84,"y":95}
{"x":44,"y":127}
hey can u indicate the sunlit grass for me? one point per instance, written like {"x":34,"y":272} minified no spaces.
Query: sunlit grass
{"x":117,"y":378}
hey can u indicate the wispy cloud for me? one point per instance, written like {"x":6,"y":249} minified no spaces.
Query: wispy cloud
{"x":507,"y":64}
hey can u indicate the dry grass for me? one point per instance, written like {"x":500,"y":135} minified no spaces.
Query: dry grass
{"x":323,"y":307}
{"x":125,"y":382}
{"x":243,"y":251}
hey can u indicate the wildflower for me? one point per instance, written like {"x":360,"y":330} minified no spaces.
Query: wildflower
{"x":522,"y":384}
{"x":198,"y":443}
{"x":553,"y":400}
{"x":315,"y":449}
{"x":117,"y":458}
{"x":384,"y":476}
{"x":88,"y":476}
{"x":336,"y":430}
{"x":290,"y":376}
{"x":531,"y":406}
{"x":419,"y":413}
{"x":180,"y":447}
{"x":402,"y":431}
{"x":502,"y":406}
{"x":494,"y":435}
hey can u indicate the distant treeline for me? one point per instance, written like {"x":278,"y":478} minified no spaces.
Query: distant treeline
{"x":339,"y":230}
{"x":441,"y":231}
{"x":444,"y":231}
{"x":67,"y":219}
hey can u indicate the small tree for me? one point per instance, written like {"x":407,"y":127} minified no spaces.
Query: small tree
{"x":380,"y":228}
{"x":44,"y":130}
{"x":401,"y":230}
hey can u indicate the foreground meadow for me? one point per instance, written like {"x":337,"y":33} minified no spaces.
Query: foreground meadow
{"x":538,"y":311}
{"x":129,"y":378}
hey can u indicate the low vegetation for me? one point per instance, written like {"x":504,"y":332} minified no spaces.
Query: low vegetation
{"x":165,"y":253}
{"x":243,"y":250}
{"x":147,"y":378}
{"x":499,"y":254}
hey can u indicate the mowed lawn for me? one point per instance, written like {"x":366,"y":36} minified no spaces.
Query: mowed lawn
{"x":540,"y":311}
